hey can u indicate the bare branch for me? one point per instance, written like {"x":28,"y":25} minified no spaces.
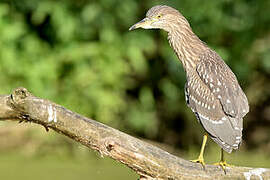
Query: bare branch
{"x":147,"y":160}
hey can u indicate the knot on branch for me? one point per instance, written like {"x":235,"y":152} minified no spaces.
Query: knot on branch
{"x":110,"y":144}
{"x":112,"y":147}
{"x":17,"y":98}
{"x":19,"y":94}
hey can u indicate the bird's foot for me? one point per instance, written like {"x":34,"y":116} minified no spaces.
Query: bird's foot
{"x":223,"y":165}
{"x":199,"y":160}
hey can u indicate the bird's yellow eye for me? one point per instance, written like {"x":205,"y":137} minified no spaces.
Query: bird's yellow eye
{"x":159,"y":16}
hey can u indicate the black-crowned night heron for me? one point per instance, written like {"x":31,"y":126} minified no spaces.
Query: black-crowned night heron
{"x":212,"y":90}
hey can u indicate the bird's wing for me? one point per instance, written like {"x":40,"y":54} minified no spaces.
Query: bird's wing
{"x":223,"y":84}
{"x":223,"y":129}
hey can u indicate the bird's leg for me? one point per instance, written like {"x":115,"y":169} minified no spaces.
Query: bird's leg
{"x":222,"y":163}
{"x":200,"y":158}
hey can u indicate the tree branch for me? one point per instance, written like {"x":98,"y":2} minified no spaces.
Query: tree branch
{"x":147,"y":160}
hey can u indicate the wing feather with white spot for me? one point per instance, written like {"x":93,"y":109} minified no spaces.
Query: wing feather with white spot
{"x":209,"y":112}
{"x":223,"y":84}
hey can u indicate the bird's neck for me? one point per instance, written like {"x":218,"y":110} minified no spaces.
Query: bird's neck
{"x":187,"y":46}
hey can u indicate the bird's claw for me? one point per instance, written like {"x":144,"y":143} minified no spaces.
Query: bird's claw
{"x":223,"y":165}
{"x":199,"y":160}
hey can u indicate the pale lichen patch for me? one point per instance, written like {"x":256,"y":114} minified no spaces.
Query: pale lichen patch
{"x":51,"y":114}
{"x":256,"y":172}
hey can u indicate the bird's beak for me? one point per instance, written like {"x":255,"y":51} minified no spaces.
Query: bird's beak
{"x":145,"y":24}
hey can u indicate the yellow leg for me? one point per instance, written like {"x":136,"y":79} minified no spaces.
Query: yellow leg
{"x":222,"y":163}
{"x":200,"y":158}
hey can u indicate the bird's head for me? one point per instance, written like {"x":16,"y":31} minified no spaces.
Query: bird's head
{"x":158,"y":17}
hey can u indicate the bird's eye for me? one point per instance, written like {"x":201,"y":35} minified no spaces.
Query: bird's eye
{"x":159,"y":16}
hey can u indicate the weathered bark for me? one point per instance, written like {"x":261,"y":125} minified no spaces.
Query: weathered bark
{"x":147,"y":160}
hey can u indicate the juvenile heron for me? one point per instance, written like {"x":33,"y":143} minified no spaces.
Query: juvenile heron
{"x":212,"y":90}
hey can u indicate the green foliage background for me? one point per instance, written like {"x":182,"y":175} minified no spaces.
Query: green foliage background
{"x":79,"y":53}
